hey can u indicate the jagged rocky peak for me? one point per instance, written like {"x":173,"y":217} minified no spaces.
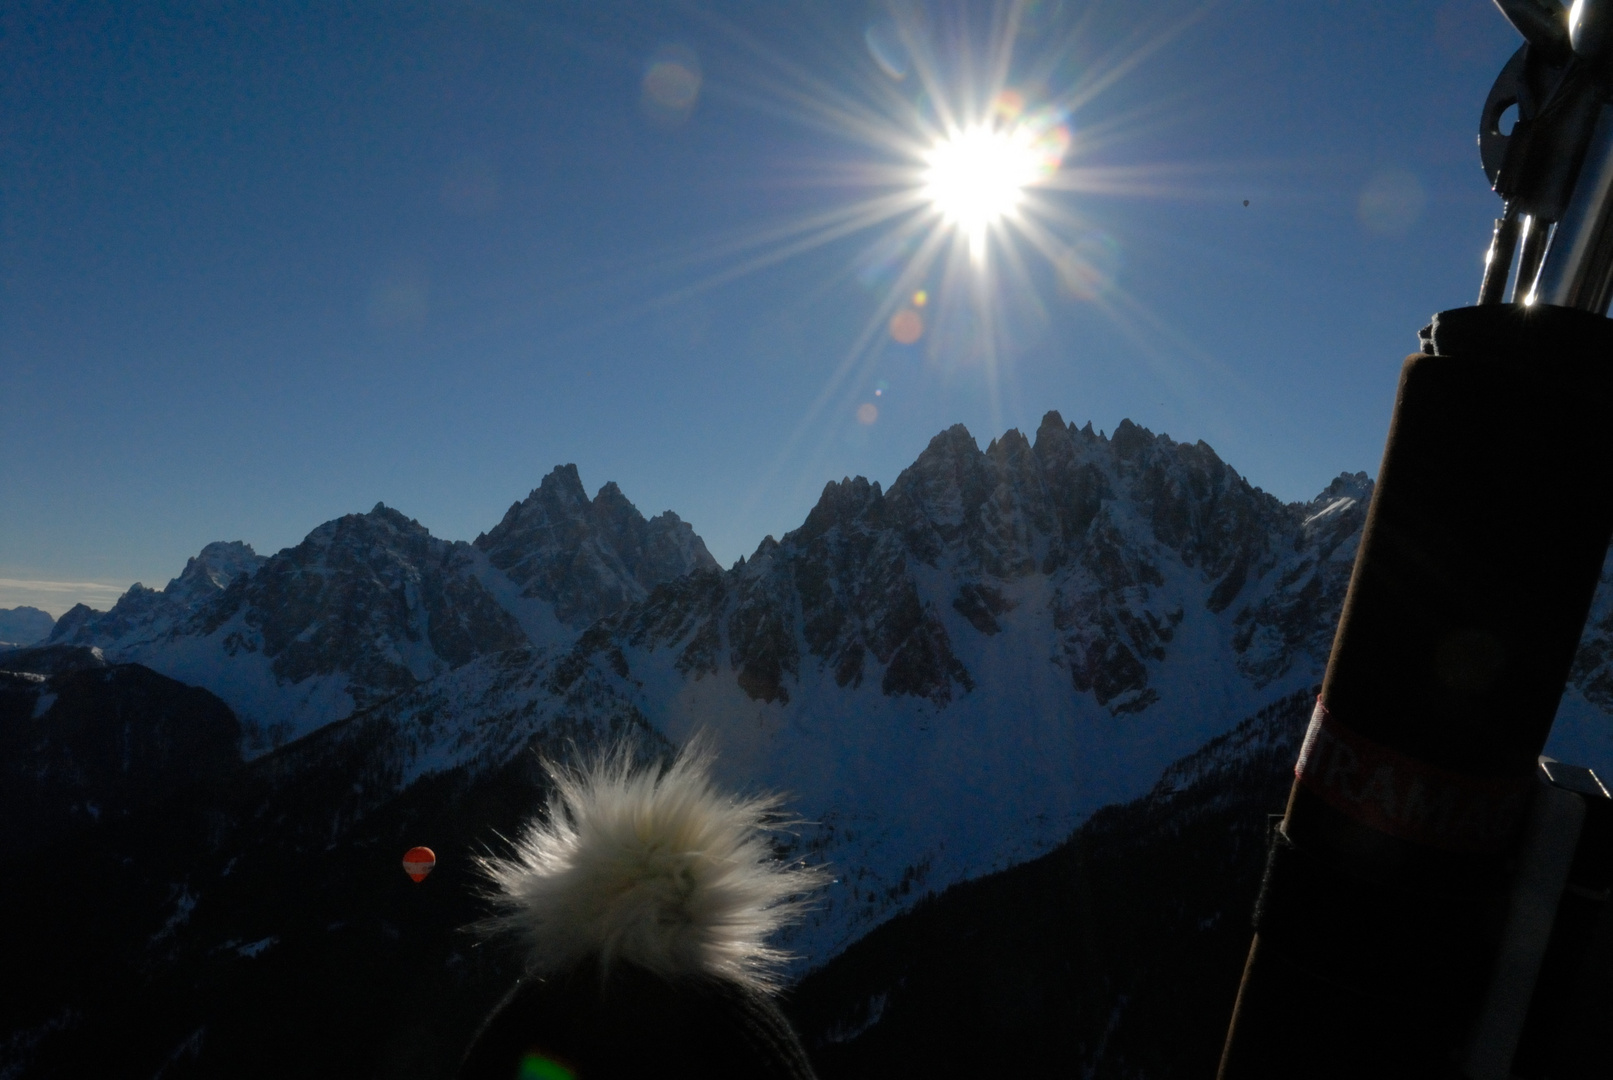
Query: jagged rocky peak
{"x":948,"y":482}
{"x":589,"y":557}
{"x":1019,"y":507}
{"x":141,"y":610}
{"x":72,"y":622}
{"x":840,"y":504}
{"x":1338,"y":512}
{"x":138,"y":608}
{"x":1195,"y":503}
{"x":379,"y":543}
{"x":1356,"y":487}
{"x":373,"y":595}
{"x":212,"y":569}
{"x":1125,"y":533}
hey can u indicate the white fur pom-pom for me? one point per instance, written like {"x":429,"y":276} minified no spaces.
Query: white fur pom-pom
{"x":651,"y":866}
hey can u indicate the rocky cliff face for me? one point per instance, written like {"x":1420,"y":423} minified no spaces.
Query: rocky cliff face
{"x":373,"y":599}
{"x":143,"y":613}
{"x":1111,"y":540}
{"x":371,"y":605}
{"x":1060,"y":617}
{"x":589,"y":558}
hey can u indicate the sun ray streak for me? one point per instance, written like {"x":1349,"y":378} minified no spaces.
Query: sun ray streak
{"x":1154,"y":41}
{"x":775,"y":256}
{"x":915,"y":272}
{"x":830,"y":224}
{"x":973,"y":93}
{"x":1002,"y":56}
{"x":822,"y":103}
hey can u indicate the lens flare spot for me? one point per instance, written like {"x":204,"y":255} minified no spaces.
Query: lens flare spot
{"x":885,"y":45}
{"x":1009,"y":105}
{"x":906,"y":326}
{"x":867,"y":413}
{"x":920,"y":298}
{"x":671,"y":85}
{"x":535,"y":1066}
{"x":1392,"y":202}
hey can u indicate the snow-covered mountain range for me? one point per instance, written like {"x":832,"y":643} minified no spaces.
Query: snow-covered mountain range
{"x":946,"y":677}
{"x":370,"y":605}
{"x":950,"y":676}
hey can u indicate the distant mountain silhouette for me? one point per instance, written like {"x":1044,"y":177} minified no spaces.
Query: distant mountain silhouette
{"x":21,"y":626}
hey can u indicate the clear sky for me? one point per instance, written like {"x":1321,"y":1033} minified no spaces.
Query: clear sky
{"x":263,"y":264}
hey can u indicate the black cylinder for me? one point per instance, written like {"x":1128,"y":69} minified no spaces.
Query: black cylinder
{"x":1385,"y":889}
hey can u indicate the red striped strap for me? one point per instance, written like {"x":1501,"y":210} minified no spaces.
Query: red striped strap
{"x":1410,"y":799}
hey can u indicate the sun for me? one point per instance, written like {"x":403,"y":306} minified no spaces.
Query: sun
{"x":977,"y":176}
{"x":967,"y":187}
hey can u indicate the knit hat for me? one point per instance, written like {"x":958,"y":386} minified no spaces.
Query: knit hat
{"x":643,"y":901}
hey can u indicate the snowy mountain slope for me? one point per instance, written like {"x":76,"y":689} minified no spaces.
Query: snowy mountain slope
{"x":371,"y":605}
{"x":1117,"y":954}
{"x":1583,"y":730}
{"x":950,"y":677}
{"x":143,"y":613}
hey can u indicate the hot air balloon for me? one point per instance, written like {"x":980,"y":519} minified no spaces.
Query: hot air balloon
{"x":418,"y":862}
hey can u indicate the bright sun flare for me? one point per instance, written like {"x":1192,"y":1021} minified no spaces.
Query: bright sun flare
{"x":977,"y":176}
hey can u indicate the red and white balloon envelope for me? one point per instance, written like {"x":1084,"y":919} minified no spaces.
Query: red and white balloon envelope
{"x":418,"y":862}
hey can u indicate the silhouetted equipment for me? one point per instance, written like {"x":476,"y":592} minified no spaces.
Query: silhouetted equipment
{"x":1550,"y":996}
{"x":1435,"y":896}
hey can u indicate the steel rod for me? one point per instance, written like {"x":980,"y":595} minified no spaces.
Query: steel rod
{"x":1578,"y":268}
{"x":1498,"y":260}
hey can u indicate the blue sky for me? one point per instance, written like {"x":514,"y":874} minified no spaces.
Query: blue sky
{"x":265,"y":264}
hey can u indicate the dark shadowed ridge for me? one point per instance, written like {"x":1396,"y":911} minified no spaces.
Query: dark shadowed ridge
{"x":1116,"y":955}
